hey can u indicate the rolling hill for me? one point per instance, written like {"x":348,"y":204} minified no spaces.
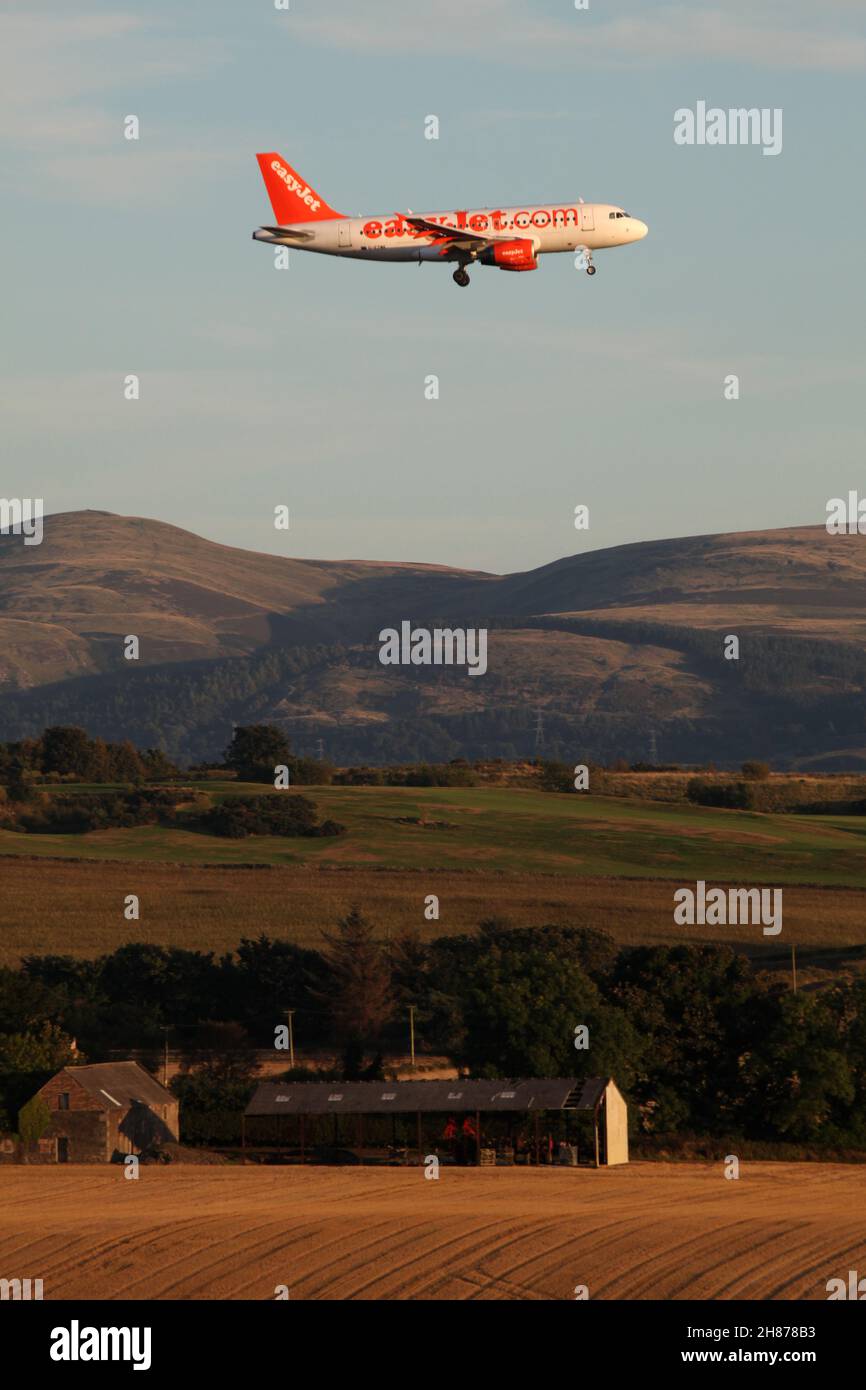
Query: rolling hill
{"x":608,"y":653}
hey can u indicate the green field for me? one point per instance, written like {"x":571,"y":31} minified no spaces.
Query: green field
{"x":530,"y":857}
{"x":510,"y":830}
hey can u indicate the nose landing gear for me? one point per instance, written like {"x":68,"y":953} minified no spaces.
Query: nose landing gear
{"x":460,"y":277}
{"x":590,"y":268}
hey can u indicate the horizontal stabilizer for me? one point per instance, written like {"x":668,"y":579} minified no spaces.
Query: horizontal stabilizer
{"x":280,"y":234}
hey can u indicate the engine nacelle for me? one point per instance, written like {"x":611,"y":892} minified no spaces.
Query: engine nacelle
{"x":518,"y":254}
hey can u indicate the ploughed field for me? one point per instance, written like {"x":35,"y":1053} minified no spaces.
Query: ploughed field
{"x":780,"y":1231}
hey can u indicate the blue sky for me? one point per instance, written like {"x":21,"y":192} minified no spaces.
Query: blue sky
{"x":306,"y":387}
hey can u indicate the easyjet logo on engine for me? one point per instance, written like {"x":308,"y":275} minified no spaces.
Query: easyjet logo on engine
{"x":515,"y":255}
{"x":497,"y":221}
{"x":304,"y":192}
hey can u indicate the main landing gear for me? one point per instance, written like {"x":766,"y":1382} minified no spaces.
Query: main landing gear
{"x":590,"y":268}
{"x":460,"y":277}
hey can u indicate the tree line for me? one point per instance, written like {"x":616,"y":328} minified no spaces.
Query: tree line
{"x":66,"y":754}
{"x":700,"y":1044}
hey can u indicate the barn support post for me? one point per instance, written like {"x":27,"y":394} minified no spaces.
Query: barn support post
{"x":420,"y":1153}
{"x":360,"y":1138}
{"x":243,"y":1138}
{"x":301,"y":1118}
{"x":478,"y":1137}
{"x":595,"y":1135}
{"x":537,"y":1140}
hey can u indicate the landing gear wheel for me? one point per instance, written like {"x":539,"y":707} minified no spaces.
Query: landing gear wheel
{"x":590,"y":270}
{"x":461,"y":278}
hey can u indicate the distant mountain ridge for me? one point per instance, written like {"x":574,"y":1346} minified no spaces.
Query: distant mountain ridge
{"x":618,"y":650}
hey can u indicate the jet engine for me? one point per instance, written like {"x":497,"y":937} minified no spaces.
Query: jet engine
{"x":518,"y":254}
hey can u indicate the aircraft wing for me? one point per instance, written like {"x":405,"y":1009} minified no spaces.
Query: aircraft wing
{"x":452,"y":238}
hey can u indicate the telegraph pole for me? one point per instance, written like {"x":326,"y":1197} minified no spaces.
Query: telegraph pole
{"x":412,"y":1034}
{"x":290,"y":1013}
{"x":164,"y":1027}
{"x":794,"y":965}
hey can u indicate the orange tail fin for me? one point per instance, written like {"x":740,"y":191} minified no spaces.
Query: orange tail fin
{"x":291,"y":199}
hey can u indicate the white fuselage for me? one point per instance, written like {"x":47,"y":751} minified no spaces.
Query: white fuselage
{"x":550,"y":227}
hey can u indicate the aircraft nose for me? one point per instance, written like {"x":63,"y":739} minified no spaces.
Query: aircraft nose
{"x":640,"y":229}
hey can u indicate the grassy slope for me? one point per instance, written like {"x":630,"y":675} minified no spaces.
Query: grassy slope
{"x":513,"y":830}
{"x":532,"y":857}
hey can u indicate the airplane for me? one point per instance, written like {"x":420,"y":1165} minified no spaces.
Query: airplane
{"x":509,"y":238}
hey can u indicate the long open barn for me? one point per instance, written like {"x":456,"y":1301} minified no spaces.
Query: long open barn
{"x":541,"y":1120}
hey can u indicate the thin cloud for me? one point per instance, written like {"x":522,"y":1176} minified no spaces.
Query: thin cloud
{"x":507,"y":30}
{"x":64,"y":92}
{"x":133,"y":177}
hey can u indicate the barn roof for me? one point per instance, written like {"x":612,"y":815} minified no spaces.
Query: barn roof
{"x":117,"y":1085}
{"x":408,"y":1097}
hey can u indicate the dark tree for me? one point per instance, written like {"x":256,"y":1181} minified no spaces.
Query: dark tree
{"x":357,"y":989}
{"x":255,"y":750}
{"x":66,"y":749}
{"x":798,"y":1077}
{"x":701,"y":1007}
{"x":268,"y":977}
{"x":755,"y":771}
{"x":126,"y":763}
{"x":276,"y":814}
{"x":25,"y":1004}
{"x":523,"y":1000}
